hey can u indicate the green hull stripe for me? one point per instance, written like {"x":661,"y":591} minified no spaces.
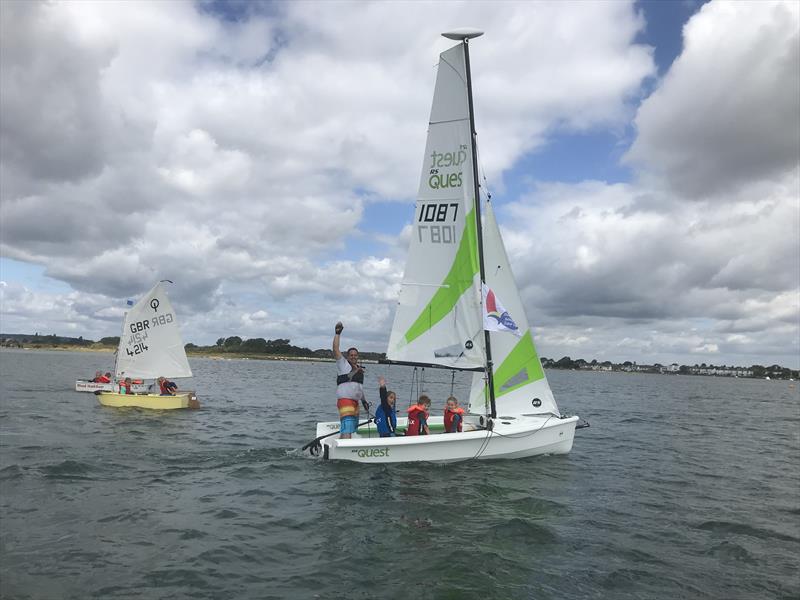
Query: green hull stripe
{"x":522,"y":357}
{"x":458,"y":281}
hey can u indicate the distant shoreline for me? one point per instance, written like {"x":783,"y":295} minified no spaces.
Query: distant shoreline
{"x":282,"y":357}
{"x":189,"y":352}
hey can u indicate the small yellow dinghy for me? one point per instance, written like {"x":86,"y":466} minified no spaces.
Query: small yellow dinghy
{"x":155,"y":401}
{"x":150,"y":347}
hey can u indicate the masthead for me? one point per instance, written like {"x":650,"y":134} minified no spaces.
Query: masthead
{"x":464,"y":33}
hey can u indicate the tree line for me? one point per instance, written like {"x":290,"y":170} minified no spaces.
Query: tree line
{"x":754,"y":371}
{"x":277,"y":347}
{"x":283,"y":347}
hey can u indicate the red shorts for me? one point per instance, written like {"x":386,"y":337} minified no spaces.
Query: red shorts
{"x":347,"y":407}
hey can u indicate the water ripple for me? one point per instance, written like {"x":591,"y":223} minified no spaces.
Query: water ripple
{"x":670,"y":494}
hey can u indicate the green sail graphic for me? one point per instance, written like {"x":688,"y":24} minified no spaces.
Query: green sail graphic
{"x":522,"y":365}
{"x":458,"y":281}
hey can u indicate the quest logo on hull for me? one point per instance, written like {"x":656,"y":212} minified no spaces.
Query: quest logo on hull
{"x":371,"y":452}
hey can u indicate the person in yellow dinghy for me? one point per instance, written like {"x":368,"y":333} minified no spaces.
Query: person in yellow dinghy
{"x":167,"y":387}
{"x":125,"y":386}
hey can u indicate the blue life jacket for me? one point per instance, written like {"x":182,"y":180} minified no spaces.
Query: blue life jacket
{"x":386,"y":423}
{"x":385,"y":416}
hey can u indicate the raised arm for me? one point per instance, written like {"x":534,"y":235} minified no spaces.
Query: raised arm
{"x":338,"y":332}
{"x":383,"y":393}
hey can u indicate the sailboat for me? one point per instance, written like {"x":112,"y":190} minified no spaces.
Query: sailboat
{"x":459,"y":307}
{"x":150,"y":347}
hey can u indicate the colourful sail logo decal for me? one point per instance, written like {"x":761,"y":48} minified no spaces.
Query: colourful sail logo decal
{"x":495,"y":317}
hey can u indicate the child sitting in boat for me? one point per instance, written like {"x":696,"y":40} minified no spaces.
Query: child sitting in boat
{"x":418,"y":417}
{"x":385,"y":415}
{"x":125,"y":386}
{"x":453,"y":416}
{"x":167,"y":387}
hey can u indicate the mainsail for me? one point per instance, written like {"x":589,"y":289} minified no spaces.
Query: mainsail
{"x":440,"y":316}
{"x":151,"y":344}
{"x":438,"y":319}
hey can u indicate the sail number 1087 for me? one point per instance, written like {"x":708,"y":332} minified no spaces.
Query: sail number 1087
{"x":437,"y":213}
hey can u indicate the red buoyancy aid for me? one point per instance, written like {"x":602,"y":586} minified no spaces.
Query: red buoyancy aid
{"x":101,"y":379}
{"x":449,"y":417}
{"x":414,"y":421}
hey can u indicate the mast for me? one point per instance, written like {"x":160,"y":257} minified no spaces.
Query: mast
{"x":119,"y":346}
{"x":464,"y":35}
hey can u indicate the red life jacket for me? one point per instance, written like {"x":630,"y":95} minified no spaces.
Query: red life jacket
{"x":416,"y":414}
{"x":449,"y":417}
{"x":101,"y":379}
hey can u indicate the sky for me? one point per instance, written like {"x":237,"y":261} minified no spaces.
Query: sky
{"x":643,"y":160}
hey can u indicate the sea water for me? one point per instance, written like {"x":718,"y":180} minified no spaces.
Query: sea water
{"x":683,"y":487}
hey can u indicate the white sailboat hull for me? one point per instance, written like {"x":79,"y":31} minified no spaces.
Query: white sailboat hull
{"x":520,"y":437}
{"x":90,"y":386}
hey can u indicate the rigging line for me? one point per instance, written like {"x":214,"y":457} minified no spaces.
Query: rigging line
{"x":484,"y":189}
{"x":456,"y":71}
{"x":411,"y":390}
{"x":485,"y":442}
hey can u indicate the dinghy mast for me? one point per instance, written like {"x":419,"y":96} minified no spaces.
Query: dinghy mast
{"x":464,"y":35}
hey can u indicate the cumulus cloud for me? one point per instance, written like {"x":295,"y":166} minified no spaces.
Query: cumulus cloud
{"x":726,"y":112}
{"x":239,"y":157}
{"x":149,"y":140}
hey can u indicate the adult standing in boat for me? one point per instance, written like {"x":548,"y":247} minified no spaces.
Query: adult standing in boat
{"x":349,"y":386}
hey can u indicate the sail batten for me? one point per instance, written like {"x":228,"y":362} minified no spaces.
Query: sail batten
{"x":406,"y":363}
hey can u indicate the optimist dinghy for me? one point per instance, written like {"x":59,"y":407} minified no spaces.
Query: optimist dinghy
{"x":151,"y":347}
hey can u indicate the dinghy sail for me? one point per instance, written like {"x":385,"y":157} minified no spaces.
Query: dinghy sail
{"x":459,"y":306}
{"x":150,"y":347}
